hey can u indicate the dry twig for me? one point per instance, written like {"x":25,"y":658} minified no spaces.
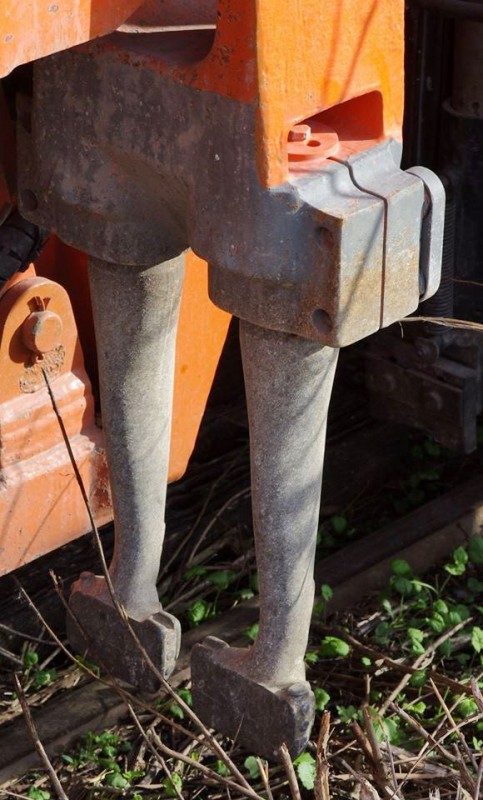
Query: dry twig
{"x":290,"y":772}
{"x":263,"y":767}
{"x":321,"y":787}
{"x":56,"y":784}
{"x":247,"y":791}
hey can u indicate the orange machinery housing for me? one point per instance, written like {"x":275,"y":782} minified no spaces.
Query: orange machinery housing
{"x":283,"y":62}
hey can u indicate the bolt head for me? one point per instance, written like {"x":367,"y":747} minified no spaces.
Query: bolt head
{"x":42,"y":331}
{"x":300,"y":133}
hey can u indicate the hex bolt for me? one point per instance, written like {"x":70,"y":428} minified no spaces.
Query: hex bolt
{"x":42,"y":331}
{"x":300,"y":133}
{"x":427,"y":349}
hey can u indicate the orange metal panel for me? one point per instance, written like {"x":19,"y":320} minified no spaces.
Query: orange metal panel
{"x":41,"y":507}
{"x":301,"y":58}
{"x":201,"y":335}
{"x":31,"y":29}
{"x":315,"y":56}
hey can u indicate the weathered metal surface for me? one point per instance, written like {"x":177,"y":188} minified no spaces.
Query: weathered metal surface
{"x":136,"y":365}
{"x":288,"y":385}
{"x":177,"y":139}
{"x":255,"y":716}
{"x":99,"y":632}
{"x":432,"y":231}
{"x":376,"y":171}
{"x":332,"y":254}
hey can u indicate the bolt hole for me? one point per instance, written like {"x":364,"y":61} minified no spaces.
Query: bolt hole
{"x":313,"y":143}
{"x":322,"y":321}
{"x":325,"y":239}
{"x":29,"y":200}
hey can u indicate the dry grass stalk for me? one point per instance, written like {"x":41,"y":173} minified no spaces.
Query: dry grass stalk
{"x":154,"y":741}
{"x":238,"y":495}
{"x":479,"y":781}
{"x":468,"y":780}
{"x":130,"y":699}
{"x":377,"y":656}
{"x":56,"y":784}
{"x":423,"y":661}
{"x":321,"y":786}
{"x":431,"y":742}
{"x":263,"y":767}
{"x":184,"y":541}
{"x":366,"y":790}
{"x":290,"y":772}
{"x":448,"y":322}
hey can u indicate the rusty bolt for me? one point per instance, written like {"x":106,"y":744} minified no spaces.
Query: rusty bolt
{"x":300,"y":133}
{"x":42,"y":331}
{"x":427,"y":350}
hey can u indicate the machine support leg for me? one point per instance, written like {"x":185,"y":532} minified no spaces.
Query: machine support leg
{"x":135,"y":314}
{"x":260,"y":695}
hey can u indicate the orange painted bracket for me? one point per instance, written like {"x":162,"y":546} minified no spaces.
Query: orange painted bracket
{"x":41,"y":506}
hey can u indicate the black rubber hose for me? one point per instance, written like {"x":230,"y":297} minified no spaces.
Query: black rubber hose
{"x":20,"y":243}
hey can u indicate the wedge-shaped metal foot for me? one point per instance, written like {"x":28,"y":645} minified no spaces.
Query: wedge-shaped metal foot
{"x":260,"y":718}
{"x":108,"y":638}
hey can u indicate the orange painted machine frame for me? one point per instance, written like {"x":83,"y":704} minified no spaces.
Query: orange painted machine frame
{"x":291,"y":61}
{"x":36,"y":28}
